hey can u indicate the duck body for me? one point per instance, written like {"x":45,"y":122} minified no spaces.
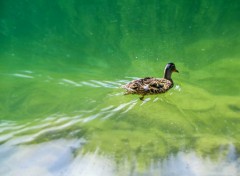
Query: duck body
{"x":150,"y":85}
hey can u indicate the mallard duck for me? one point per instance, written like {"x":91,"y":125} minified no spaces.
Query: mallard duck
{"x":150,"y":85}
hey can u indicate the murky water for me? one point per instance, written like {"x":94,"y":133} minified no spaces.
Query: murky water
{"x":63,"y":112}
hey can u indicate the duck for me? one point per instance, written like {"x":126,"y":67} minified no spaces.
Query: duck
{"x":151,"y":85}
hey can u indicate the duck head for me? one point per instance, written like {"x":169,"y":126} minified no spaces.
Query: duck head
{"x":170,"y":67}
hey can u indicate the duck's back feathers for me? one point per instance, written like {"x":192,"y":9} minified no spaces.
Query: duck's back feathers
{"x":148,"y":85}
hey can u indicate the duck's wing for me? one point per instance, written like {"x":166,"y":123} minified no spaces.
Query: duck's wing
{"x":138,"y":83}
{"x":137,"y":86}
{"x":156,"y":83}
{"x":159,"y":85}
{"x":147,"y":80}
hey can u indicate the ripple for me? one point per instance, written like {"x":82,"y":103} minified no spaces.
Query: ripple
{"x":107,"y":108}
{"x":22,"y":75}
{"x":90,"y":118}
{"x":28,"y":71}
{"x":131,"y":106}
{"x":105,"y":84}
{"x":75,"y":83}
{"x":10,"y":127}
{"x":90,"y":84}
{"x":121,"y":106}
{"x":67,"y":81}
{"x":100,"y":83}
{"x":94,"y":83}
{"x":178,"y":88}
{"x":56,"y":124}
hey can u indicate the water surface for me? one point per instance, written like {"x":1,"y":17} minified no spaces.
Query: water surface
{"x":63,"y":111}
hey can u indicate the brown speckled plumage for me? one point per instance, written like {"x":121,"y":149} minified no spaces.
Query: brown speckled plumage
{"x":150,"y":85}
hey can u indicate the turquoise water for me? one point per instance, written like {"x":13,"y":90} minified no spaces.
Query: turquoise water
{"x":63,"y":112}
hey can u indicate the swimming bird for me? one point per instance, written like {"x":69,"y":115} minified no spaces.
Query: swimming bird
{"x":150,"y":85}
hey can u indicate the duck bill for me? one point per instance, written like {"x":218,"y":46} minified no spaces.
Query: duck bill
{"x":176,"y":71}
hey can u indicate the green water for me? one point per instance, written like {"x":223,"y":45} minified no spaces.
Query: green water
{"x":62,"y":111}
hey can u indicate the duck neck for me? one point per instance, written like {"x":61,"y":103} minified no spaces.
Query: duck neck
{"x":168,"y":74}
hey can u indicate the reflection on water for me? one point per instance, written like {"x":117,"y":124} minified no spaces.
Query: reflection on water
{"x":58,"y":157}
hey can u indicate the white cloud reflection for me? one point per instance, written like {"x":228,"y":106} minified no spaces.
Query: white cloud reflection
{"x":59,"y":158}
